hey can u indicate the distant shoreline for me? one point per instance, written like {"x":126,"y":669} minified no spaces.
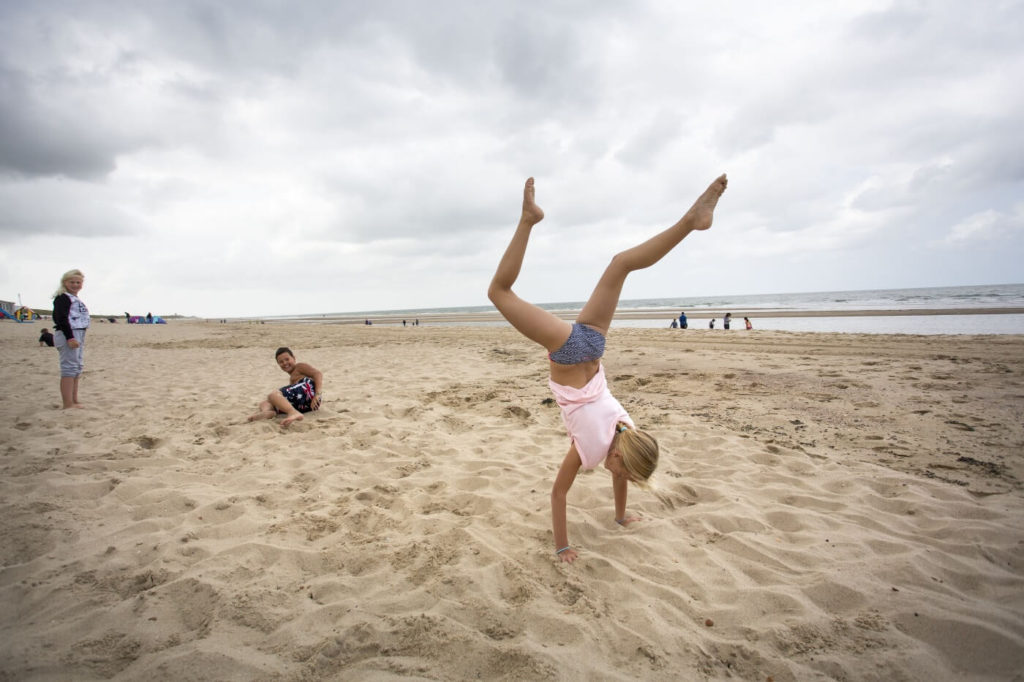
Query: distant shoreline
{"x":627,"y":314}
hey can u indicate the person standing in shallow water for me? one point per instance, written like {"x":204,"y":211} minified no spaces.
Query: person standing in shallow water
{"x":599,"y":428}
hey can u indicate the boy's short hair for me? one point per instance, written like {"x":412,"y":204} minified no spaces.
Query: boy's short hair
{"x":283,"y":349}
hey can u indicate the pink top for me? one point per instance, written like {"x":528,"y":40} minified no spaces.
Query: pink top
{"x":590,"y":415}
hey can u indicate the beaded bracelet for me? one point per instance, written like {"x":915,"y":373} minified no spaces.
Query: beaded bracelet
{"x":562,"y":550}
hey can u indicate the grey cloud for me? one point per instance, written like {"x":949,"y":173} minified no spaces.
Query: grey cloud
{"x":59,"y":207}
{"x":653,"y":138}
{"x":39,"y":138}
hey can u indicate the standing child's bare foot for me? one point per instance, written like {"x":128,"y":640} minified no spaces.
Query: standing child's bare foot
{"x":700,"y":214}
{"x":296,"y":417}
{"x":532,"y":213}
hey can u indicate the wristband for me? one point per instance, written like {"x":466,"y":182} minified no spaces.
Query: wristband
{"x":562,"y":550}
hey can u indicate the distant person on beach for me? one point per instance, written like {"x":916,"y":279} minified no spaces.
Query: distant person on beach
{"x":70,"y":321}
{"x":599,"y":428}
{"x":304,"y":393}
{"x":711,"y":324}
{"x":149,"y":318}
{"x":682,"y":321}
{"x":674,"y":324}
{"x":746,"y":321}
{"x":46,"y":338}
{"x":726,"y":320}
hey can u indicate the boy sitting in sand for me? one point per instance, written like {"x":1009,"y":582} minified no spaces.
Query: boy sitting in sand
{"x":303,"y":394}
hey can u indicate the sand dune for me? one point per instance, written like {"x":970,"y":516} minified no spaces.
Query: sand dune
{"x":829,"y":507}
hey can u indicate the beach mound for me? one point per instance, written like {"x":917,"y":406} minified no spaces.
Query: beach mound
{"x":828,"y":507}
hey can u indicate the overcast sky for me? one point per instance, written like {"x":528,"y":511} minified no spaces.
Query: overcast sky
{"x":267,"y":158}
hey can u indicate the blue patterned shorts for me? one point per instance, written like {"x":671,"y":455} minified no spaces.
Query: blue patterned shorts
{"x":300,"y":394}
{"x":583,"y":345}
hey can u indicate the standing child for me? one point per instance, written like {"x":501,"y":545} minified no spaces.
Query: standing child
{"x":303,"y":394}
{"x":70,"y":320}
{"x":599,"y":428}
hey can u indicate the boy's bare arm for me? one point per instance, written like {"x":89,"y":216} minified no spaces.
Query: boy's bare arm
{"x":317,"y":376}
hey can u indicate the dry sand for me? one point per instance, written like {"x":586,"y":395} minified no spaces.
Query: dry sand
{"x":832,"y":507}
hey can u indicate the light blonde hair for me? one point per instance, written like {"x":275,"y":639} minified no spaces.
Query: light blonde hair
{"x":65,"y":277}
{"x":639,"y":452}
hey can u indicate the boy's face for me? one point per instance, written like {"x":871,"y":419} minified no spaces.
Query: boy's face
{"x":286,"y":361}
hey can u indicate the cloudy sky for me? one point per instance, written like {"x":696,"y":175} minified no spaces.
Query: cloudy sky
{"x":267,"y":158}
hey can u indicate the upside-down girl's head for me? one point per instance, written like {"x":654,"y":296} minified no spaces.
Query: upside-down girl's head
{"x":638,"y":452}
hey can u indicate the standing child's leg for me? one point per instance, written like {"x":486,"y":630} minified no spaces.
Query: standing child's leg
{"x":532,"y":322}
{"x":67,"y":392}
{"x":600,"y":308}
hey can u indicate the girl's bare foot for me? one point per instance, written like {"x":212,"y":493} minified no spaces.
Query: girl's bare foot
{"x":261,"y":415}
{"x":700,"y":214}
{"x":532,"y":213}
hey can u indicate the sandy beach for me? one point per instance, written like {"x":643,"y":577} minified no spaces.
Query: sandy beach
{"x":830,"y":506}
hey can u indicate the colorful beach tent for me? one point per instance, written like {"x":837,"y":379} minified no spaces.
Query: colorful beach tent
{"x":25,"y":314}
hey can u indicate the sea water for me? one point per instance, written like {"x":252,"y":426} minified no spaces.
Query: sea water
{"x":995,"y":296}
{"x":870,"y":324}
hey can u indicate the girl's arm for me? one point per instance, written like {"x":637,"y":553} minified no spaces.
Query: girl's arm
{"x":559,"y":491}
{"x":61,"y":309}
{"x":620,"y":486}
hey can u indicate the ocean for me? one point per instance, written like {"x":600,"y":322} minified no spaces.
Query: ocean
{"x":983,"y":309}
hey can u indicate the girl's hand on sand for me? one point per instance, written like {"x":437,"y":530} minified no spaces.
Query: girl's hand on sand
{"x":568,"y":556}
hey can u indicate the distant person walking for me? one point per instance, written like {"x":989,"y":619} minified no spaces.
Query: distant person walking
{"x":682,"y":321}
{"x":727,"y":320}
{"x":70,"y":321}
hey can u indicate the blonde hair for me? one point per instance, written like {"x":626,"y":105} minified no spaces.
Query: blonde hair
{"x":65,"y":277}
{"x":639,"y":452}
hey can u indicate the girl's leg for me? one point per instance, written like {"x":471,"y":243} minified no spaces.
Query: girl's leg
{"x":67,"y":387}
{"x":532,"y":322}
{"x":600,"y":308}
